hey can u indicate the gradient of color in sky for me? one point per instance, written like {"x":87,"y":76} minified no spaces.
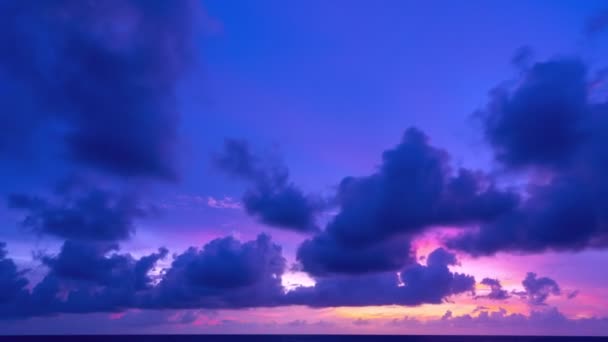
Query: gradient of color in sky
{"x":336,"y":167}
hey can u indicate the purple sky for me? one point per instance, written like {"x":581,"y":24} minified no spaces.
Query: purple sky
{"x":304,"y":167}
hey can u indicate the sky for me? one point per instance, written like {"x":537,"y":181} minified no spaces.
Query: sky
{"x":358,"y":167}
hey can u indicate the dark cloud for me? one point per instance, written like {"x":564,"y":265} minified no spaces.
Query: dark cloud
{"x":144,"y":265}
{"x":522,"y":57}
{"x":547,"y":122}
{"x":88,"y":277}
{"x":541,"y":121}
{"x":539,"y":289}
{"x":496,"y":290}
{"x":82,"y":277}
{"x":81,"y":213}
{"x":416,"y":284}
{"x":413,"y":189}
{"x":573,"y":294}
{"x":273,"y":199}
{"x":225,"y":273}
{"x":12,"y":284}
{"x":323,"y":256}
{"x":87,"y":262}
{"x":99,"y":76}
{"x":597,"y":23}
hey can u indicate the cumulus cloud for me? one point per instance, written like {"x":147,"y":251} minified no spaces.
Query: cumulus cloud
{"x":413,"y":189}
{"x":86,"y":277}
{"x":225,"y":273}
{"x":548,"y":122}
{"x":273,"y":199}
{"x":324,"y":255}
{"x":537,"y":290}
{"x":12,"y":284}
{"x":81,"y":213}
{"x":414,"y":285}
{"x":98,"y":76}
{"x":496,"y":290}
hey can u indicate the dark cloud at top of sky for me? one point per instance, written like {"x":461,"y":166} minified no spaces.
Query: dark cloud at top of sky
{"x":273,"y":198}
{"x":413,"y":189}
{"x":99,"y":76}
{"x":81,"y":213}
{"x":548,"y":122}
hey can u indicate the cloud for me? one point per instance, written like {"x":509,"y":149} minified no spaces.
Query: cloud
{"x":223,"y":203}
{"x":80,"y":213}
{"x":597,"y":23}
{"x":545,"y":322}
{"x":496,"y":290}
{"x":12,"y":284}
{"x":573,"y":294}
{"x":97,"y":77}
{"x":323,"y":256}
{"x":225,"y":273}
{"x":414,"y":285}
{"x":83,"y":277}
{"x":539,"y":122}
{"x":86,"y":277}
{"x":413,"y":189}
{"x":548,"y":123}
{"x":273,"y":199}
{"x":539,"y":289}
{"x":361,"y":322}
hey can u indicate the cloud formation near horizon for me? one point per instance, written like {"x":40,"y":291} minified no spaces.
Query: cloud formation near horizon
{"x":223,"y":274}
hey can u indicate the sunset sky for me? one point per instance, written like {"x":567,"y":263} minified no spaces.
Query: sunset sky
{"x":398,"y":167}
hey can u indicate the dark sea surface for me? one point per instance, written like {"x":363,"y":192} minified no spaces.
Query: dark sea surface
{"x":295,"y":338}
